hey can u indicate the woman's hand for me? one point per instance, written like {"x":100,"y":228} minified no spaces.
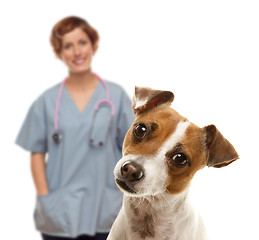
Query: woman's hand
{"x":39,"y":173}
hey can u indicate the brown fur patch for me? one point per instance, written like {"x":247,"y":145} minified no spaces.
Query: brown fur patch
{"x":134,"y":208}
{"x":144,"y":226}
{"x":193,"y":146}
{"x":166,"y":122}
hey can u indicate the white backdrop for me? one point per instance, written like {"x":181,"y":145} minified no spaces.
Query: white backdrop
{"x":206,"y":52}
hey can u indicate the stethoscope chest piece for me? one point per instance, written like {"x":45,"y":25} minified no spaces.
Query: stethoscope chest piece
{"x":57,"y":137}
{"x":96,"y":144}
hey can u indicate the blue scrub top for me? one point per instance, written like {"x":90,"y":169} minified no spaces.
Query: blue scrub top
{"x":83,"y":198}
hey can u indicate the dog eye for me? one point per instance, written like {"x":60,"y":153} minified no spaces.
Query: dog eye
{"x":180,"y":160}
{"x":140,"y":130}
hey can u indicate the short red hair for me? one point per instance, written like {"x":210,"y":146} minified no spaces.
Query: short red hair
{"x":68,"y":24}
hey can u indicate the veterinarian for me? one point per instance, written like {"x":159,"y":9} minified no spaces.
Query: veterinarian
{"x":75,"y":132}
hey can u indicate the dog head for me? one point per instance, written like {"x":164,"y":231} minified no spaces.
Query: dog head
{"x":163,"y":150}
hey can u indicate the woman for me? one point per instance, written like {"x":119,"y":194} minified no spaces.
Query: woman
{"x":79,"y":125}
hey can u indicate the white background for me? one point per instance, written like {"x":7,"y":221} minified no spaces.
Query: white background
{"x":206,"y":52}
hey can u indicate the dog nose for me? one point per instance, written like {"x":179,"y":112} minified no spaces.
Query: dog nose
{"x":131,"y":171}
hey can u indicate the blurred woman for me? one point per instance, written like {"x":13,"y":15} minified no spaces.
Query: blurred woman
{"x":75,"y":132}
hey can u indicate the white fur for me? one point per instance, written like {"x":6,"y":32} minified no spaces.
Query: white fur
{"x":173,"y":216}
{"x":174,"y":138}
{"x":140,"y":102}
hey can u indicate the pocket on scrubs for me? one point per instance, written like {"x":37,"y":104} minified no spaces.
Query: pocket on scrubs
{"x":49,"y":216}
{"x":111,"y":204}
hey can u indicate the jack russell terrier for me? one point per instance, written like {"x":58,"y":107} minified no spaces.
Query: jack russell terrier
{"x":161,"y":153}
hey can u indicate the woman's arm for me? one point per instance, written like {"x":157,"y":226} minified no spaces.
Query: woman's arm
{"x":38,"y":173}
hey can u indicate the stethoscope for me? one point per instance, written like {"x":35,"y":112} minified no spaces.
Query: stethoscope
{"x":57,"y":137}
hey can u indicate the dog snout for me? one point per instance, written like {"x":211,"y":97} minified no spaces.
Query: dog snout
{"x":132,"y":171}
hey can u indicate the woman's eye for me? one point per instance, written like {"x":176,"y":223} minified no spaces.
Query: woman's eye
{"x":83,"y":43}
{"x":67,"y":46}
{"x":180,"y":160}
{"x":140,"y":130}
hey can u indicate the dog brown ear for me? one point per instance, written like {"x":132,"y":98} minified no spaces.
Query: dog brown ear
{"x":147,"y":98}
{"x":221,"y":151}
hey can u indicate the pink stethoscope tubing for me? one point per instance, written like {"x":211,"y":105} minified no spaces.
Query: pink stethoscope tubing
{"x":56,"y":136}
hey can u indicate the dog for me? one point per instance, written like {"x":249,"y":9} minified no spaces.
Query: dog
{"x":161,"y":153}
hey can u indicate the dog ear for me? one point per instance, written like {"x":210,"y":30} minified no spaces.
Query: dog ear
{"x":147,"y":98}
{"x":221,"y":151}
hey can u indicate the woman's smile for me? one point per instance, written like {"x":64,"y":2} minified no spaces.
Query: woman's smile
{"x":77,"y":51}
{"x":79,"y":61}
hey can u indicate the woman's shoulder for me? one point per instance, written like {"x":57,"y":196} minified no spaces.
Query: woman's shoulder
{"x":50,"y":92}
{"x":47,"y":96}
{"x":114,"y":85}
{"x":53,"y":90}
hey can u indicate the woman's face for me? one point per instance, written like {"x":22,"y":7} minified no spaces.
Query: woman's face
{"x":77,"y":51}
